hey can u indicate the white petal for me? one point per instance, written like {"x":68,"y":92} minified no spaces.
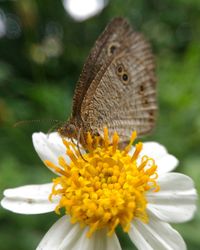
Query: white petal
{"x":31,"y":199}
{"x":155,"y":235}
{"x":63,"y":235}
{"x":153,"y":149}
{"x":176,"y":200}
{"x":163,"y":159}
{"x":56,"y":234}
{"x":166,"y":164}
{"x":98,"y":241}
{"x":112,"y":243}
{"x":49,"y":147}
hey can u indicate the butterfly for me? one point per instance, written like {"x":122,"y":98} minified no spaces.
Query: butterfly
{"x":117,"y":87}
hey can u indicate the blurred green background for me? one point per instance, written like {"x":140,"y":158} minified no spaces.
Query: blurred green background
{"x":42,"y":51}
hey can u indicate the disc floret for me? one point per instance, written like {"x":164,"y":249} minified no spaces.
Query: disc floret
{"x":104,"y":187}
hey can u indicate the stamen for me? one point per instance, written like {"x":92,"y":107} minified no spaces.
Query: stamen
{"x":55,"y":168}
{"x":72,"y":156}
{"x":137,"y":151}
{"x":133,"y":137}
{"x":115,"y":142}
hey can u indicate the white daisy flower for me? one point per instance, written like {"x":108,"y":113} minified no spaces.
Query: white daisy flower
{"x":106,"y":187}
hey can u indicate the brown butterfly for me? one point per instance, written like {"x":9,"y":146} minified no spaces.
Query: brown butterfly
{"x":117,"y":87}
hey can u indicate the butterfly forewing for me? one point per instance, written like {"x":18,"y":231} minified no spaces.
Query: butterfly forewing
{"x":98,"y":58}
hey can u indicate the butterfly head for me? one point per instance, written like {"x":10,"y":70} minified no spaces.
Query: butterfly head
{"x":68,"y":130}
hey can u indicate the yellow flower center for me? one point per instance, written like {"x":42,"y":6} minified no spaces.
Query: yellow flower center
{"x":105,"y":187}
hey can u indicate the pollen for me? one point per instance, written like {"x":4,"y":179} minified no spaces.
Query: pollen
{"x":106,"y":186}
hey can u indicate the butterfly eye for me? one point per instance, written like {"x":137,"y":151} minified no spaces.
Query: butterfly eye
{"x":71,"y":128}
{"x":125,"y":78}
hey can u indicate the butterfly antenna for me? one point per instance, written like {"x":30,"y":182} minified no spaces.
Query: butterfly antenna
{"x":25,"y":122}
{"x":55,"y":127}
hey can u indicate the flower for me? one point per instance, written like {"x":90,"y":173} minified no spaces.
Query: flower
{"x":105,"y":187}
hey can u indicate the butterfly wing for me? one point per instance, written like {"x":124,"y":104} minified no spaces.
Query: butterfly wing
{"x":122,"y":91}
